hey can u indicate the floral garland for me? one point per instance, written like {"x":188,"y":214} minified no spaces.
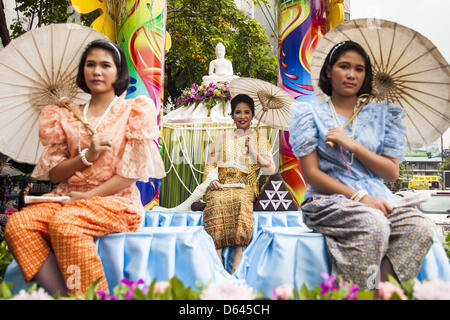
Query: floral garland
{"x":209,"y":94}
{"x":332,"y":288}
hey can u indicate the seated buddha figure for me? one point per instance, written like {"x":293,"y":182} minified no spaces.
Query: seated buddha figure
{"x":220,"y":69}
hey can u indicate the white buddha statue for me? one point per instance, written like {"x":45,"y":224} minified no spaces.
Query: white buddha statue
{"x":220,"y":69}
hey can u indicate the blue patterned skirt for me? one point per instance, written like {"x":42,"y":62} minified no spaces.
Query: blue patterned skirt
{"x":358,"y":237}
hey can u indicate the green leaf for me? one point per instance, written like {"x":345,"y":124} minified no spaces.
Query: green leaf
{"x":395,"y":296}
{"x":5,"y":290}
{"x":199,"y":285}
{"x":296,"y":294}
{"x":365,"y":295}
{"x":90,"y":293}
{"x":139,"y":295}
{"x":178,"y":289}
{"x":120,"y":291}
{"x":150,"y":293}
{"x":392,"y":280}
{"x":408,"y":288}
{"x":336,"y":295}
{"x":192,"y":294}
{"x":32,"y":288}
{"x":304,"y":293}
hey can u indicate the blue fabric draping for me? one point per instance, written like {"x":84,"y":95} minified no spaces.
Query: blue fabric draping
{"x":283,"y":250}
{"x":436,"y":264}
{"x":161,"y":253}
{"x":195,"y":218}
{"x":282,"y":255}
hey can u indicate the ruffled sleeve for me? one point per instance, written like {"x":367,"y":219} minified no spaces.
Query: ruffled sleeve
{"x":54,"y":140}
{"x":303,"y":135}
{"x":394,"y":139}
{"x":141,"y":158}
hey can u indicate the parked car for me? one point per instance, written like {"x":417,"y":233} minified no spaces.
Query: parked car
{"x":437,"y":208}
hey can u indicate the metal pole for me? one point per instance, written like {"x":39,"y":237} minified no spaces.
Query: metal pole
{"x":442,"y":163}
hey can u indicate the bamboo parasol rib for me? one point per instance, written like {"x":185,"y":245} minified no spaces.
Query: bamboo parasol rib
{"x":38,"y":69}
{"x":408,"y":70}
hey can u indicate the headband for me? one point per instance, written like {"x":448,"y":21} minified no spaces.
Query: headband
{"x":334,"y":49}
{"x":117,"y":50}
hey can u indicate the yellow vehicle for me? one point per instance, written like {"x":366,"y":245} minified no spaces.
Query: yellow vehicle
{"x":423,"y":182}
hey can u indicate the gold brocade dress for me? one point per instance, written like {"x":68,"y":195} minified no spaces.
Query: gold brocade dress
{"x":228,"y":215}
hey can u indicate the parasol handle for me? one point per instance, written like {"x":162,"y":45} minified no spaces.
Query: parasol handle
{"x":259,"y":120}
{"x":64,"y":102}
{"x":364,"y":99}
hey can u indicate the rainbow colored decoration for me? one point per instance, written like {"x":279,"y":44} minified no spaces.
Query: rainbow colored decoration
{"x":138,"y":27}
{"x":141,"y":34}
{"x":301,"y":24}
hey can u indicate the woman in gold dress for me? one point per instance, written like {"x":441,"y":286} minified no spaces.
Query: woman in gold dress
{"x":237,"y":156}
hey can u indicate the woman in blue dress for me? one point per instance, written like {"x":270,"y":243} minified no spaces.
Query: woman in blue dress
{"x":346,"y":199}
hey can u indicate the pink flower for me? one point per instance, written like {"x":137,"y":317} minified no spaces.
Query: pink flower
{"x":228,"y":290}
{"x":352,"y":290}
{"x":432,"y":290}
{"x":329,"y":284}
{"x":103,"y":295}
{"x":10,"y":211}
{"x":283,"y":292}
{"x":39,"y":294}
{"x":131,"y":287}
{"x":387,"y":289}
{"x":161,"y":287}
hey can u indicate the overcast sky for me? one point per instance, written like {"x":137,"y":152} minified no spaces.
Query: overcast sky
{"x":429,"y":17}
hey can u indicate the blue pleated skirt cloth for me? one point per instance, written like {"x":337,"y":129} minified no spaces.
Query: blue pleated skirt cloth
{"x":282,"y":251}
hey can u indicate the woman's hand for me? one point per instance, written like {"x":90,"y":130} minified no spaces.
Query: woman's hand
{"x":100,"y":142}
{"x":383,"y":166}
{"x":75,"y":195}
{"x":250,"y":144}
{"x":377,"y":203}
{"x":339,"y":136}
{"x":215,"y":185}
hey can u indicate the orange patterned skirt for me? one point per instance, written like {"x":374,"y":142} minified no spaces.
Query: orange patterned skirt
{"x":228,"y":215}
{"x":69,"y":231}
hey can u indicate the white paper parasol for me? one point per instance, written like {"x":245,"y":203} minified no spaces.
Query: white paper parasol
{"x":37,"y":69}
{"x":408,"y":71}
{"x":272,"y":104}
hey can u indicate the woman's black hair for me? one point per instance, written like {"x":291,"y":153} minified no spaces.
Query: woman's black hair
{"x":242,"y":98}
{"x":123,"y":77}
{"x":332,"y":58}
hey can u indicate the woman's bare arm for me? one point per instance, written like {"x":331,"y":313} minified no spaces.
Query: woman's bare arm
{"x":328,"y":185}
{"x":110,"y":187}
{"x":383,"y":166}
{"x":320,"y":180}
{"x":64,"y":170}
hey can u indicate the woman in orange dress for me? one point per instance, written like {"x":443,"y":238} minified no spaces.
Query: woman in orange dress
{"x":53,"y":243}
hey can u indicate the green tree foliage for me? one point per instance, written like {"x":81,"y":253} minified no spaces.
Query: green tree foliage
{"x":197,"y":26}
{"x":36,"y":13}
{"x":446,"y":164}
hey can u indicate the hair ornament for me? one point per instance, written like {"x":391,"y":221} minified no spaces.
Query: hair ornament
{"x":117,"y":50}
{"x":340,"y":44}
